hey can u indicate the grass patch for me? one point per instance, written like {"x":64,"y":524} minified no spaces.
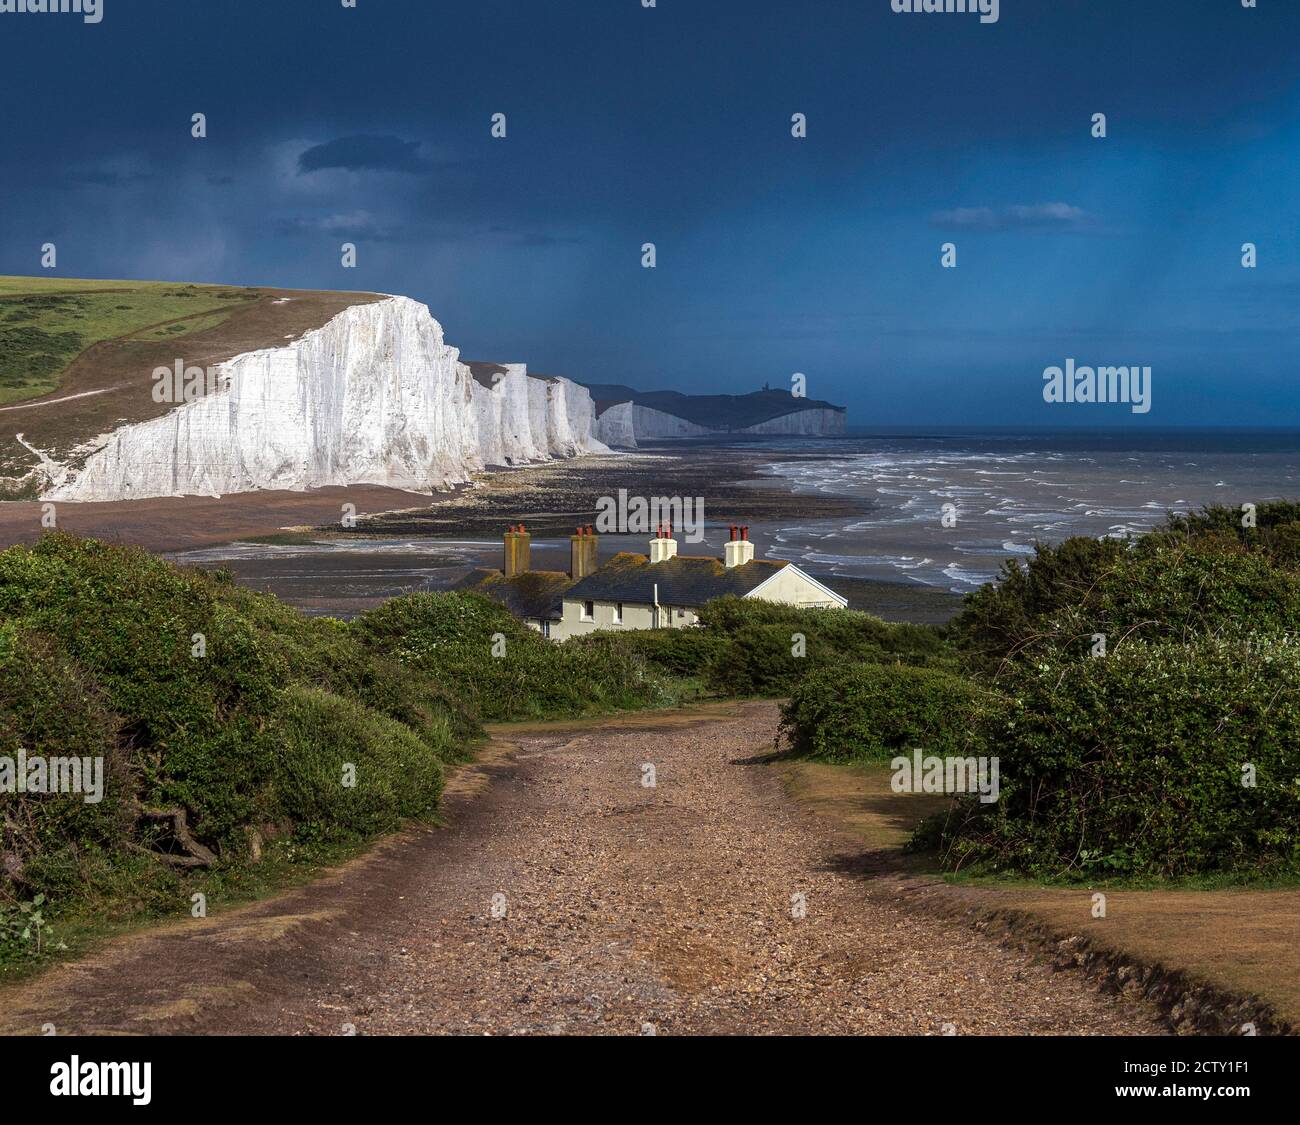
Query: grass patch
{"x":46,"y":323}
{"x":1241,"y":939}
{"x":181,"y":329}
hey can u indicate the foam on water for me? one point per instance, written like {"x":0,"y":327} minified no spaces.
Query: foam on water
{"x":1008,"y":493}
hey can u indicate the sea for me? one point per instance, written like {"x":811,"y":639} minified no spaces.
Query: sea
{"x":949,"y":507}
{"x":942,"y":510}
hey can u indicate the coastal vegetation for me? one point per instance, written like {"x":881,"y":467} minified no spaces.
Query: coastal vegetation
{"x":237,"y":735}
{"x":46,"y":323}
{"x":1141,"y":696}
{"x":227,"y":725}
{"x":1146,"y":706}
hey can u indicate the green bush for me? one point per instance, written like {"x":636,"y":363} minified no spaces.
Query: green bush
{"x":679,"y":653}
{"x":1002,"y":616}
{"x":50,"y":708}
{"x":417,"y":627}
{"x":873,"y":712}
{"x":327,"y":741}
{"x":450,"y":638}
{"x":202,"y":697}
{"x":1275,"y":530}
{"x":760,"y":657}
{"x":1132,"y":764}
{"x":1160,"y":587}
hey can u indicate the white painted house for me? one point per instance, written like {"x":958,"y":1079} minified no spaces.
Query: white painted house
{"x":662,"y":590}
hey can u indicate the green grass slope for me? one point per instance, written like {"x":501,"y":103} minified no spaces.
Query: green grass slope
{"x":45,"y":323}
{"x":77,"y":356}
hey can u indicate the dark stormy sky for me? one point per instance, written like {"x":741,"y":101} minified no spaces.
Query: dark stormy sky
{"x":672,"y":125}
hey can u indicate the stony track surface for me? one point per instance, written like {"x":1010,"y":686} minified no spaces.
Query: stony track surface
{"x":708,"y":903}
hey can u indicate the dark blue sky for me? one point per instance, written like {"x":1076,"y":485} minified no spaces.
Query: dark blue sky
{"x":672,"y":125}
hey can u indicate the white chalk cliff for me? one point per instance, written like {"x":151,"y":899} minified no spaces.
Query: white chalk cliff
{"x":375,"y":396}
{"x":623,"y":423}
{"x":815,"y":422}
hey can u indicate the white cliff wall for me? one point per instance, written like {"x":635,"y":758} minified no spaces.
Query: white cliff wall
{"x":375,"y":396}
{"x":650,"y":423}
{"x":511,"y":429}
{"x":623,"y":425}
{"x":615,"y":426}
{"x":570,"y":417}
{"x":817,"y":422}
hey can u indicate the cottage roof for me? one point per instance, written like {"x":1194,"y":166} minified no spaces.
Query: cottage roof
{"x":535,"y":593}
{"x":683,"y":580}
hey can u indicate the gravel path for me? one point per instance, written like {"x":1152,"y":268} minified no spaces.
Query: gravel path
{"x":626,"y":909}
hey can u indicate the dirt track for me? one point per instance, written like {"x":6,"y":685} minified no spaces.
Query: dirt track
{"x":627,"y":909}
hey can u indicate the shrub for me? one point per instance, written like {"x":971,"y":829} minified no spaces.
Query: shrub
{"x":1160,"y":587}
{"x":1002,"y":616}
{"x":1275,"y":531}
{"x":393,"y":775}
{"x":98,"y":659}
{"x":679,"y":653}
{"x":450,"y":638}
{"x":1133,"y":764}
{"x":50,"y":708}
{"x":875,"y":711}
{"x":759,"y":656}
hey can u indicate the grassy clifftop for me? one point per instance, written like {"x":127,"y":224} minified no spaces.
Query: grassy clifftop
{"x":77,"y":356}
{"x":45,"y":323}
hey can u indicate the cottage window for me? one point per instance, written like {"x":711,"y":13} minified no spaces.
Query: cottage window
{"x":618,"y":613}
{"x":588,"y":611}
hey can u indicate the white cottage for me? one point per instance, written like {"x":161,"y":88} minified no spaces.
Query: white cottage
{"x":633,"y":591}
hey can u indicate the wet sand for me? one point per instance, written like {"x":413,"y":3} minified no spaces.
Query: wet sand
{"x":176,"y":523}
{"x":552,"y":498}
{"x":402,"y":537}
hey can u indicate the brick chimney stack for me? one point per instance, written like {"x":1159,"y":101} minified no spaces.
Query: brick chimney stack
{"x":582,"y":552}
{"x":739,"y":549}
{"x":518,"y":548}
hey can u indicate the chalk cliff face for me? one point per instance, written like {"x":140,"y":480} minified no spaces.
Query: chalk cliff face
{"x":812,"y":423}
{"x":623,"y":423}
{"x":615,"y":426}
{"x":374,"y":396}
{"x":650,"y":423}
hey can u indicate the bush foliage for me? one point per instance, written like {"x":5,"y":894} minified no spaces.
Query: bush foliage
{"x":760,"y":656}
{"x":875,"y":711}
{"x":1127,"y":757}
{"x":453,"y":638}
{"x":1134,"y":764}
{"x":199,"y":697}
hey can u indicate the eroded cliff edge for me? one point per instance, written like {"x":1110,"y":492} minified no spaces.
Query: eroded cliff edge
{"x":374,"y":396}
